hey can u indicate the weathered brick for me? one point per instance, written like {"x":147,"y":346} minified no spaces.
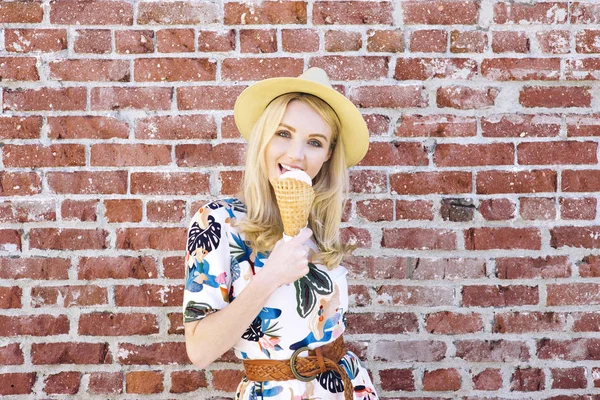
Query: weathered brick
{"x":105,"y":383}
{"x":365,"y":181}
{"x":134,"y":41}
{"x":253,"y":69}
{"x":418,"y":239}
{"x":68,"y":296}
{"x":299,"y":40}
{"x":34,"y":325}
{"x":151,"y":238}
{"x":449,"y":323}
{"x":429,"y":41}
{"x":452,"y":155}
{"x":258,"y":41}
{"x":499,"y":296}
{"x":520,"y":125}
{"x":10,"y":297}
{"x":510,"y":41}
{"x":375,"y":210}
{"x":569,"y":378}
{"x":86,"y":127}
{"x":537,"y":208}
{"x":492,"y":350}
{"x":176,"y":127}
{"x":440,"y":13}
{"x":374,"y":323}
{"x":94,"y":41}
{"x":165,"y":353}
{"x":36,"y":156}
{"x":338,"y":41}
{"x":389,"y":96}
{"x":533,"y":181}
{"x":90,"y":70}
{"x":144,"y":382}
{"x":566,"y":152}
{"x":227,"y":379}
{"x":149,"y":296}
{"x":441,"y":380}
{"x":409,"y":350}
{"x":10,"y":240}
{"x":395,"y":153}
{"x":589,"y":266}
{"x":411,"y":210}
{"x":113,"y":324}
{"x":68,"y":239}
{"x":554,"y":42}
{"x":165,"y":211}
{"x":431,"y":182}
{"x":497,"y":209}
{"x":558,"y":96}
{"x":70,"y":353}
{"x":75,"y":210}
{"x":572,"y":349}
{"x":574,"y":236}
{"x":521,"y":69}
{"x":175,"y":40}
{"x":465,"y":98}
{"x":399,"y":295}
{"x":428,"y":68}
{"x":387,"y":41}
{"x":38,"y":268}
{"x":20,"y":183}
{"x":523,"y":322}
{"x":96,"y":12}
{"x":17,"y":382}
{"x":580,"y":180}
{"x":130,"y":155}
{"x":35,"y":40}
{"x":436,"y":126}
{"x":549,"y":267}
{"x":584,"y":208}
{"x":62,"y":383}
{"x":585,"y":13}
{"x":573,"y":294}
{"x":199,"y":155}
{"x":468,"y":42}
{"x":177,"y":13}
{"x":119,"y":98}
{"x":352,"y":68}
{"x":20,"y":127}
{"x":537,"y":13}
{"x":586,"y":41}
{"x":84,"y":182}
{"x":231,"y":182}
{"x":174,"y":69}
{"x":527,"y":380}
{"x":266,"y":12}
{"x":187,"y":381}
{"x":123,"y":267}
{"x":45,"y":99}
{"x":11,"y":354}
{"x":216,"y":41}
{"x":180,"y":183}
{"x":488,"y":379}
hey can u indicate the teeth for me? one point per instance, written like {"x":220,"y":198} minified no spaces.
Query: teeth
{"x":290,"y":168}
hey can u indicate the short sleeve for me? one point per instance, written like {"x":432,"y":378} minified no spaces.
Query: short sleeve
{"x":207,"y":263}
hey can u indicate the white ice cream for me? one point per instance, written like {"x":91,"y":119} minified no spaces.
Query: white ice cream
{"x":297,"y":174}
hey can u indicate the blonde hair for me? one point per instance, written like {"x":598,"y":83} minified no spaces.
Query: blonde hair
{"x":262,"y":226}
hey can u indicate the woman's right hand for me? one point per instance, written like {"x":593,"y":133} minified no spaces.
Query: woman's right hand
{"x":288,"y":261}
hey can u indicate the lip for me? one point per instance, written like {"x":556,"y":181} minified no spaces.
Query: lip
{"x":283,"y":170}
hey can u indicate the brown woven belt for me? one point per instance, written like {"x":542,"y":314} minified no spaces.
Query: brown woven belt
{"x":319,"y":360}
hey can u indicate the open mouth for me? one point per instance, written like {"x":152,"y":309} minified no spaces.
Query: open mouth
{"x":285,"y":168}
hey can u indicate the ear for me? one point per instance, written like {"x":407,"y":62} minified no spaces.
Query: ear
{"x":329,"y":153}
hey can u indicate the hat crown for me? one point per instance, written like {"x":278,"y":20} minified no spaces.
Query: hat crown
{"x":316,"y":75}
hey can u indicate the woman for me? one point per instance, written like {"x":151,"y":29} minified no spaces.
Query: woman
{"x":287,"y":319}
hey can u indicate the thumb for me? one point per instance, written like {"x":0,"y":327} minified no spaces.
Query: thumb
{"x":303,"y":235}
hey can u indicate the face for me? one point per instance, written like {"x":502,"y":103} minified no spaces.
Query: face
{"x":302,"y":141}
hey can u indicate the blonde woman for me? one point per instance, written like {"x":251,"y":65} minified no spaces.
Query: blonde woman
{"x":280,"y":304}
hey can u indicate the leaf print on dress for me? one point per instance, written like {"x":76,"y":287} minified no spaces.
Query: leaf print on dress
{"x":197,"y":275}
{"x":204,"y":239}
{"x":239,"y":250}
{"x":313,"y":283}
{"x":196,"y":311}
{"x":262,"y":331}
{"x":229,"y":204}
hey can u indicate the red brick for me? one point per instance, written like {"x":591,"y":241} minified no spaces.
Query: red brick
{"x":436,"y":126}
{"x":409,"y":351}
{"x":123,"y":267}
{"x":575,"y":236}
{"x":19,"y":12}
{"x":11,"y":354}
{"x":580,"y":180}
{"x":549,"y":267}
{"x":395,"y":153}
{"x":376,"y":210}
{"x":492,"y":350}
{"x":386,"y":323}
{"x":429,"y":41}
{"x":134,"y":41}
{"x":586,"y":322}
{"x":584,"y":208}
{"x":572,"y":350}
{"x":70,"y":353}
{"x":176,"y":127}
{"x":450,"y":182}
{"x":365,"y":181}
{"x":228,"y":128}
{"x":205,"y":155}
{"x":356,"y":237}
{"x":153,"y":354}
{"x":144,"y":382}
{"x":165,"y":211}
{"x":589,"y":267}
{"x":149,"y":296}
{"x":151,"y":238}
{"x":119,"y":98}
{"x":90,"y":70}
{"x":227,"y":379}
{"x":337,"y":41}
{"x":67,"y":239}
{"x":389,"y":96}
{"x":359,"y":296}
{"x":440,"y":13}
{"x":20,"y":127}
{"x":468,"y":42}
{"x":234,"y":69}
{"x":387,"y":41}
{"x":569,"y":378}
{"x":177,"y":13}
{"x":497,"y":209}
{"x":36,"y":156}
{"x":266,"y":12}
{"x":18,"y":69}
{"x":465,"y":98}
{"x":537,"y":208}
{"x":68,"y":296}
{"x":10,"y":240}
{"x":258,"y":41}
{"x":428,"y":68}
{"x":19,"y":183}
{"x":174,"y":69}
{"x":10,"y":297}
{"x":418,"y":239}
{"x":446,"y":269}
{"x":84,"y":182}
{"x":231,"y":182}
{"x":441,"y":380}
{"x":586,"y":41}
{"x":96,"y":12}
{"x":397,"y":379}
{"x":510,"y":41}
{"x":130,"y":155}
{"x":352,"y":13}
{"x":582,"y":69}
{"x":532,"y":181}
{"x":62,"y":383}
{"x":520,"y":125}
{"x":566,"y":152}
{"x":453,"y":155}
{"x":175,"y":40}
{"x":105,"y":383}
{"x":187,"y":381}
{"x":488,"y":379}
{"x":207,"y":98}
{"x":158,"y":183}
{"x":550,"y":13}
{"x":559,"y":96}
{"x":34,"y":268}
{"x":33,"y":325}
{"x":527,"y":380}
{"x":216,"y":41}
{"x":45,"y":99}
{"x":448,"y":323}
{"x":487,"y":238}
{"x":582,"y":13}
{"x":94,"y":41}
{"x":521,"y":69}
{"x":411,"y":210}
{"x":86,"y":127}
{"x":112,"y":324}
{"x":352,"y":68}
{"x":499,"y":296}
{"x":457,"y":210}
{"x":554,"y":42}
{"x":299,"y":40}
{"x":175,"y":324}
{"x":524,"y":322}
{"x":414,"y":295}
{"x":573,"y":294}
{"x":16,"y":383}
{"x":76,"y":210}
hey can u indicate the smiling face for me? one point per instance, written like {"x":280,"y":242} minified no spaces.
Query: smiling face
{"x":302,"y":141}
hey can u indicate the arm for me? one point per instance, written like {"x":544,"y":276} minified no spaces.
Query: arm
{"x":207,"y":339}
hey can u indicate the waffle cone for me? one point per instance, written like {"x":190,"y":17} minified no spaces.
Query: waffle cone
{"x":294,"y":199}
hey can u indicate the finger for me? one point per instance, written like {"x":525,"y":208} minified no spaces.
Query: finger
{"x":303,"y":235}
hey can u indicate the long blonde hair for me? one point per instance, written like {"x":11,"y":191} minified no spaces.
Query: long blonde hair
{"x":262,"y":226}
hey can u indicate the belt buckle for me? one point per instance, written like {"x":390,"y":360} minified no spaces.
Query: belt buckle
{"x":293,"y":365}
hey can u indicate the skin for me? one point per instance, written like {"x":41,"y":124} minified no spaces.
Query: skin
{"x":303,"y":140}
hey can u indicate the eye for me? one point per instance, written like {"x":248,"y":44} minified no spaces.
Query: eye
{"x":284,"y":134}
{"x":315,"y":143}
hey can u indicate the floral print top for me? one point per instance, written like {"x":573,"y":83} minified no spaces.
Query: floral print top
{"x":309,"y":312}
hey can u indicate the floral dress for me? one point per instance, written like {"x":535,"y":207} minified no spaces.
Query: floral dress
{"x":309,"y":312}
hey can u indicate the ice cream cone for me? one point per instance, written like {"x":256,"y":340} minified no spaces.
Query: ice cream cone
{"x":294,"y":198}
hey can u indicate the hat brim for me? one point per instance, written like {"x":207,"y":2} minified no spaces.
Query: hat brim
{"x":254,"y":99}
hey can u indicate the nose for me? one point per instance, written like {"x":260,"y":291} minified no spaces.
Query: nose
{"x":296,"y":150}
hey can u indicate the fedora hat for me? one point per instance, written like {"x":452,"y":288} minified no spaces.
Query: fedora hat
{"x":254,"y":99}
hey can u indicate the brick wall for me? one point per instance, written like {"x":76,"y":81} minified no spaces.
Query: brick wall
{"x":475,"y":212}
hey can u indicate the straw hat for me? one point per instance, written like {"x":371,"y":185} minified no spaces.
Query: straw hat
{"x":254,"y":99}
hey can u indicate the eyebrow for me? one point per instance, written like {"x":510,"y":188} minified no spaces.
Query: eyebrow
{"x":311,"y":135}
